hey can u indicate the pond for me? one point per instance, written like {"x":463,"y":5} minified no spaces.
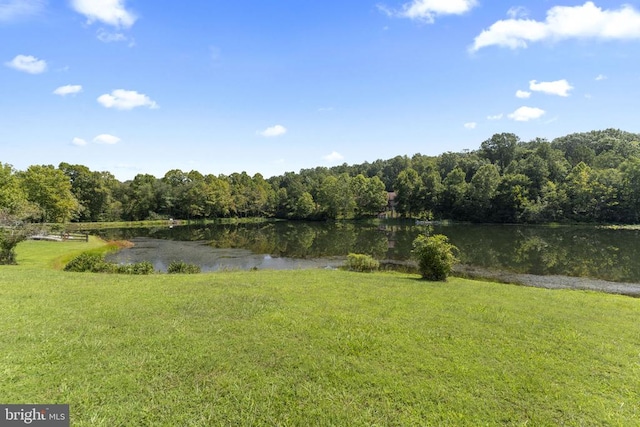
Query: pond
{"x":581,"y":251}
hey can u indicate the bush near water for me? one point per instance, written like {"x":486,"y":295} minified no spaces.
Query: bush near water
{"x":181,"y":267}
{"x":362,"y":263}
{"x":435,"y":256}
{"x":95,"y":263}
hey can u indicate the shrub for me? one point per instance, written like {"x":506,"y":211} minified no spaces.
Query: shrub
{"x":12,"y":232}
{"x":89,"y":262}
{"x":144,"y":267}
{"x":95,"y":263}
{"x":435,"y":256}
{"x":181,"y":267}
{"x":362,"y":263}
{"x":8,"y":245}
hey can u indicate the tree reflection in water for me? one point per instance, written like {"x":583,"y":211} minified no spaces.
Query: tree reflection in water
{"x":585,"y":251}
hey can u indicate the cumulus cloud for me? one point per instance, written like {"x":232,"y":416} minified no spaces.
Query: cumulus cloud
{"x":558,"y":87}
{"x":11,"y":10}
{"x":563,"y":22}
{"x":28,"y":64}
{"x":110,"y":12}
{"x":428,"y":10}
{"x":105,"y":138}
{"x":523,"y":94}
{"x":273,"y":131}
{"x":333,"y":157}
{"x":121,"y":99}
{"x":470,"y":125}
{"x":79,"y":142}
{"x":524,"y":114}
{"x":601,"y":77}
{"x":495,"y":117}
{"x":68,"y":90}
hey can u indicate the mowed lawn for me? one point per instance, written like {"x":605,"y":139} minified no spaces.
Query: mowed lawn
{"x":312,"y":348}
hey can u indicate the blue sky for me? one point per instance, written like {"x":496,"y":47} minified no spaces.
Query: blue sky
{"x":141,"y":86}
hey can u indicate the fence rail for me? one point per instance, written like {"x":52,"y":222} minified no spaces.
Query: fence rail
{"x":62,"y":237}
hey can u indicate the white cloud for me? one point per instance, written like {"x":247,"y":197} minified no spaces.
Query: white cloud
{"x":28,"y":64}
{"x":524,"y":114}
{"x":333,"y":157}
{"x":107,"y":37}
{"x":495,"y":117}
{"x":427,"y":10}
{"x":601,"y":77}
{"x":518,"y":12}
{"x":470,"y":125}
{"x":68,"y":90}
{"x":563,"y":22}
{"x":79,"y":142}
{"x":111,"y":12}
{"x":105,"y":138}
{"x":121,"y":99}
{"x":558,"y":87}
{"x":11,"y":10}
{"x":523,"y":94}
{"x":273,"y":131}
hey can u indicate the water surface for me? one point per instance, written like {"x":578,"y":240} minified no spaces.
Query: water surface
{"x":581,"y":251}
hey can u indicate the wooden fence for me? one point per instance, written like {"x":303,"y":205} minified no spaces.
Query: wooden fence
{"x":62,"y":237}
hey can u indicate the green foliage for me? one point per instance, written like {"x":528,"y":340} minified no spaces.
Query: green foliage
{"x":336,"y":197}
{"x":136,"y":268}
{"x":12,"y":232}
{"x":500,"y":149}
{"x":370,"y":195}
{"x":13,"y":200}
{"x":89,"y":262}
{"x":304,"y":206}
{"x":482,"y":191}
{"x":181,"y":267}
{"x":94,"y":191}
{"x":409,"y":191}
{"x":586,"y":177}
{"x":49,"y":188}
{"x":362,"y":263}
{"x":95,"y":263}
{"x":435,"y":256}
{"x":8,"y":243}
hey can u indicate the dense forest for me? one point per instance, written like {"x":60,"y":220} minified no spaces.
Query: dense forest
{"x":581,"y":177}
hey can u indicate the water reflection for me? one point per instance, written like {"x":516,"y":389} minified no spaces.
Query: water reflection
{"x":566,"y":250}
{"x":162,"y":252}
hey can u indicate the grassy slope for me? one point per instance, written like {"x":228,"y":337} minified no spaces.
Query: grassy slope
{"x":312,"y":348}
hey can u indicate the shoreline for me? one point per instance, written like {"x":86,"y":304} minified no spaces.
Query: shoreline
{"x":550,"y":282}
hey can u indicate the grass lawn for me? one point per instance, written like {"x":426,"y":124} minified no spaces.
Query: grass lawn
{"x":311,"y":348}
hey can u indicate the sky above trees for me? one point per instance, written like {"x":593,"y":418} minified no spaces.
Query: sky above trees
{"x":140,"y":86}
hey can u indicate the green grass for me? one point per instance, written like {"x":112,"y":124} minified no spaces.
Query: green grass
{"x":312,"y":348}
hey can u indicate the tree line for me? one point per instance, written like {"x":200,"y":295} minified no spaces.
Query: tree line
{"x":581,"y":177}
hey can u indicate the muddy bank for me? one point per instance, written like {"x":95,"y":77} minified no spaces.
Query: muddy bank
{"x":549,"y":282}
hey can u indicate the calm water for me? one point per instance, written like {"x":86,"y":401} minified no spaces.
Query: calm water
{"x":583,"y":251}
